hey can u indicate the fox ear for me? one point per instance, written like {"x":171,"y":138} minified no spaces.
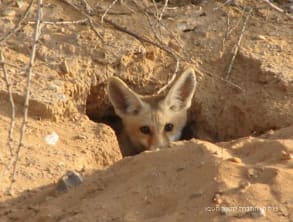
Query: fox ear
{"x":180,"y":94}
{"x":124,"y":100}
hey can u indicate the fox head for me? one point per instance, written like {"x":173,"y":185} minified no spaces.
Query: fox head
{"x":152,"y":122}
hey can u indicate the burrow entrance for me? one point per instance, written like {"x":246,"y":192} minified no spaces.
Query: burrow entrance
{"x":108,"y":116}
{"x":219,"y":111}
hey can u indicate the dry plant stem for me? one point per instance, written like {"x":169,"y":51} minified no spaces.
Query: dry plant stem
{"x":81,"y":21}
{"x":107,"y":10}
{"x":171,"y":80}
{"x":156,"y":8}
{"x":160,"y":23}
{"x":227,"y":33}
{"x":19,"y":24}
{"x":236,"y":48}
{"x":92,"y":25}
{"x":277,"y":8}
{"x":135,"y":35}
{"x":226,"y":81}
{"x":230,"y":30}
{"x":88,"y":8}
{"x":12,"y":105}
{"x":163,"y":10}
{"x":27,"y":92}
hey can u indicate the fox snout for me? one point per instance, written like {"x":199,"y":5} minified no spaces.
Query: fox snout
{"x":153,"y":122}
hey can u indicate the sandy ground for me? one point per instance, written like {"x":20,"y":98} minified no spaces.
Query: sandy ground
{"x":237,"y":167}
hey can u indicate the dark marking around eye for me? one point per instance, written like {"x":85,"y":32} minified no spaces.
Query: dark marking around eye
{"x":145,"y":130}
{"x":169,"y":127}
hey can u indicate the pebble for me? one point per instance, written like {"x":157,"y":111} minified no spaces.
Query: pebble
{"x":286,"y":155}
{"x":64,"y":67}
{"x":69,"y":180}
{"x":217,"y":199}
{"x":260,"y":37}
{"x":52,"y":139}
{"x":80,"y":137}
{"x":235,"y":160}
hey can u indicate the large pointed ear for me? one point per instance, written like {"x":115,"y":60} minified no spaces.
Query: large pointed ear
{"x":180,"y":94}
{"x":124,"y":100}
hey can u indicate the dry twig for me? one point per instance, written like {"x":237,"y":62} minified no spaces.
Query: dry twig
{"x":88,"y":8}
{"x":12,"y":105}
{"x":80,"y":21}
{"x":172,"y":78}
{"x":135,"y":35}
{"x":156,"y":8}
{"x":19,"y":24}
{"x":277,"y":8}
{"x":27,"y":92}
{"x":236,"y":48}
{"x":230,"y":30}
{"x":107,"y":10}
{"x":163,"y":10}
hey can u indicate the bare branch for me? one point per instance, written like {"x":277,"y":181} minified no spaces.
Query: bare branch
{"x":163,"y":10}
{"x":12,"y":105}
{"x":88,"y":8}
{"x":277,"y":8}
{"x":236,"y":48}
{"x":172,"y":78}
{"x":156,"y":8}
{"x":27,"y":92}
{"x":80,"y":21}
{"x":107,"y":10}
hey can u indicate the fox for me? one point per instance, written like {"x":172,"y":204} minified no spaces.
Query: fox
{"x":151,"y":122}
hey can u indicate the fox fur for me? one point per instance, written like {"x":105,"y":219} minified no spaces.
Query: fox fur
{"x":152,"y":122}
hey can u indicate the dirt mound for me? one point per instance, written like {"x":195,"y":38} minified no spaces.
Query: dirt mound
{"x":194,"y":179}
{"x":243,"y":172}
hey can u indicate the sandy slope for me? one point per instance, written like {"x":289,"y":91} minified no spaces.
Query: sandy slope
{"x":247,"y":165}
{"x":191,"y":181}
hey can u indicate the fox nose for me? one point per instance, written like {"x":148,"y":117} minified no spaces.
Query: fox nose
{"x":158,"y":143}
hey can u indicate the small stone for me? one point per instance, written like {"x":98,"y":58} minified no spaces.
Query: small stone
{"x":235,"y":160}
{"x":80,"y":137}
{"x":64,"y":67}
{"x":251,"y":173}
{"x":69,"y":180}
{"x":52,"y":139}
{"x":286,"y":155}
{"x":217,"y":199}
{"x":259,"y":37}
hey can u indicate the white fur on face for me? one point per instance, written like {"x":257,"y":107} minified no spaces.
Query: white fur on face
{"x":176,"y":136}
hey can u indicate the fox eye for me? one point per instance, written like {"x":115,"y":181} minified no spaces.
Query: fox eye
{"x":169,"y":127}
{"x":145,"y":130}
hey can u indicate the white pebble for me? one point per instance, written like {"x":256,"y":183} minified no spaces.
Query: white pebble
{"x":52,"y":139}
